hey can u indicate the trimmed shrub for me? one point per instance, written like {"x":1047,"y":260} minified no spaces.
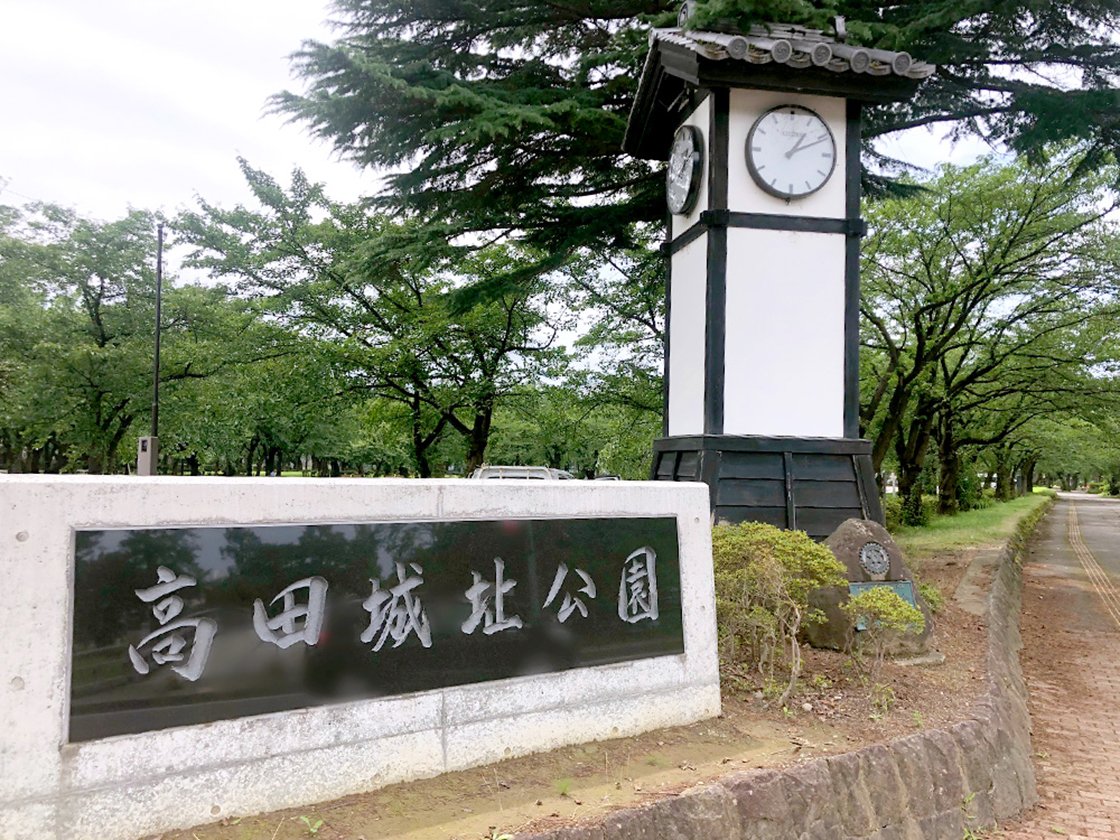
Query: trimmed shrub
{"x":763,"y":578}
{"x":886,"y":617}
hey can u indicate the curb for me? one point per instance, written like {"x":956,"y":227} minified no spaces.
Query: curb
{"x":935,"y":784}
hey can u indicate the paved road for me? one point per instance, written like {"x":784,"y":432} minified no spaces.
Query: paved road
{"x":1071,"y":660}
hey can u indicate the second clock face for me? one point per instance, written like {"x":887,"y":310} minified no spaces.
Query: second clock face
{"x":686,"y":163}
{"x":791,"y":152}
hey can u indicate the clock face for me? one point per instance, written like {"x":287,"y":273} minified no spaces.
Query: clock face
{"x":686,"y":167}
{"x":791,"y":152}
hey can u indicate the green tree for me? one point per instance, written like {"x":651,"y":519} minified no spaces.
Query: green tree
{"x":84,"y":331}
{"x":506,"y":117}
{"x":264,"y":414}
{"x":621,"y":300}
{"x":562,"y":425}
{"x":325,"y":271}
{"x":77,"y":323}
{"x":1075,"y":450}
{"x":990,"y":406}
{"x":987,"y":293}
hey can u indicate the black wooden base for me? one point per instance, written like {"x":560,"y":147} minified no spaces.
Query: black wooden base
{"x":806,"y":484}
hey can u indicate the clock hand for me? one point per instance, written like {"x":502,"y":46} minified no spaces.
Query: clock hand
{"x":796,"y":146}
{"x":800,"y":148}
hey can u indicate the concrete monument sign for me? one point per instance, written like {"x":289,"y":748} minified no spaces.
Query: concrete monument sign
{"x":177,"y":626}
{"x":173,"y":648}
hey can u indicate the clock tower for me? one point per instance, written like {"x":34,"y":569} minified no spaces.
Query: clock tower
{"x":762,"y":134}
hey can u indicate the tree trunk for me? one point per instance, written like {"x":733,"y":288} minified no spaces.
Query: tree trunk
{"x":13,"y":449}
{"x":1005,"y":490}
{"x":892,"y":426}
{"x":420,"y":450}
{"x":910,"y":489}
{"x":479,"y":438}
{"x":123,"y":425}
{"x":273,"y":460}
{"x":55,"y":458}
{"x":421,"y":443}
{"x":911,"y":451}
{"x":253,"y":444}
{"x":1026,"y":476}
{"x":949,"y":470}
{"x":95,"y":464}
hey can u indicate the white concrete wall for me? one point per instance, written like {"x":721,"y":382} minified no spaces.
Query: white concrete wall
{"x":688,"y":327}
{"x":131,"y":785}
{"x":784,"y":357}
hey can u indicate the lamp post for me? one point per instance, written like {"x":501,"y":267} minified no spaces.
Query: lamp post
{"x":147,"y":455}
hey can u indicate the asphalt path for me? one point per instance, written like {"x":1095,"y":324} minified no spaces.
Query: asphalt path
{"x":1071,"y":661}
{"x":1098,"y":521}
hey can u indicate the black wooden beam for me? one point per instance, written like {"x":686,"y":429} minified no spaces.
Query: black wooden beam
{"x":715,"y":347}
{"x":851,"y":274}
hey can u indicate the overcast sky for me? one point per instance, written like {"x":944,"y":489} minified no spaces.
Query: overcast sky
{"x":112,"y":103}
{"x":107,"y":104}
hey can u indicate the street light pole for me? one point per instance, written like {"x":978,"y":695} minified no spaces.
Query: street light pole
{"x":147,"y":455}
{"x":159,"y":301}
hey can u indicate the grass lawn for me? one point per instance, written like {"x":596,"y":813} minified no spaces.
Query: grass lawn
{"x":989,"y":526}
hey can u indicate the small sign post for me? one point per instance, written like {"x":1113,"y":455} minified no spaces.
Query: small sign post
{"x":147,"y":456}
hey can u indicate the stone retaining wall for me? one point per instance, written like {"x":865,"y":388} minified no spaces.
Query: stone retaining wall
{"x":935,"y":784}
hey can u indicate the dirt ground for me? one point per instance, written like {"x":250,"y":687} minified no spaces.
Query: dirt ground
{"x":834,"y":712}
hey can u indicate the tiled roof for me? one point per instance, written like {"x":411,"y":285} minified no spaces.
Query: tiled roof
{"x":779,"y":57}
{"x":795,"y":47}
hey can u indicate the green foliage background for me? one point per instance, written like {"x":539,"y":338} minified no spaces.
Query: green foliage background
{"x":502,"y":298}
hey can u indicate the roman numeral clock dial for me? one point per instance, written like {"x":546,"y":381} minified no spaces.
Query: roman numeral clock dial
{"x":686,"y":163}
{"x":791,"y":152}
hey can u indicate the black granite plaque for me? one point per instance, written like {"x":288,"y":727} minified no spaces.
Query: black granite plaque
{"x":181,"y":626}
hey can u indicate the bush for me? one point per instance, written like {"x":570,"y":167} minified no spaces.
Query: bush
{"x":987,"y":499}
{"x":969,"y":491}
{"x":886,"y":616}
{"x":763,"y":578}
{"x":933,"y":597}
{"x":892,"y":511}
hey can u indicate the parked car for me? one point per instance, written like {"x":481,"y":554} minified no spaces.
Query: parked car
{"x":520,"y":472}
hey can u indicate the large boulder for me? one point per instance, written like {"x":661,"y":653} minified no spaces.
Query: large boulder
{"x":869,"y":554}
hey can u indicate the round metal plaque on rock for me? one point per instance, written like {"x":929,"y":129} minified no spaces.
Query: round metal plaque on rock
{"x":874,"y":559}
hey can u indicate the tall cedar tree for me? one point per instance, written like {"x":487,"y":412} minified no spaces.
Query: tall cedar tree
{"x":505,"y":117}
